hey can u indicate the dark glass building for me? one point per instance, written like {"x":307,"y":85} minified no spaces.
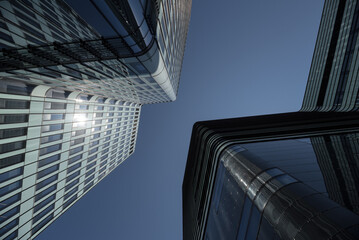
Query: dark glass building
{"x":333,"y":78}
{"x":291,"y":175}
{"x":273,"y":177}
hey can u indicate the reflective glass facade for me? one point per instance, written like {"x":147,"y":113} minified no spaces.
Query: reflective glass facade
{"x":333,"y":82}
{"x":73,"y":78}
{"x":281,"y":176}
{"x":128,"y":50}
{"x":65,"y":145}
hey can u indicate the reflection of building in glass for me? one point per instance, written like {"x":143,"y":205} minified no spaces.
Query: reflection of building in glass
{"x":338,"y":159}
{"x":333,"y":82}
{"x":73,"y":78}
{"x":259,"y":178}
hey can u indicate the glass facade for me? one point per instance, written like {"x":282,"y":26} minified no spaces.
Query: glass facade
{"x":238,"y":207}
{"x":73,"y":78}
{"x":127,"y":50}
{"x":62,"y":153}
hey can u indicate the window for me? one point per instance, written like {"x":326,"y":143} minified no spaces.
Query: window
{"x":13,"y":118}
{"x":50,"y":149}
{"x":67,"y":195}
{"x":43,"y":213}
{"x":72,"y":176}
{"x":70,"y":185}
{"x":11,"y":200}
{"x":73,"y":168}
{"x":42,"y":223}
{"x":5,"y":216}
{"x":59,"y":94}
{"x":11,"y":174}
{"x":12,"y":132}
{"x":48,"y":160}
{"x":78,"y":132}
{"x":5,"y":162}
{"x":9,"y":188}
{"x":45,"y":192}
{"x":46,"y":182}
{"x":74,"y":159}
{"x":44,"y":203}
{"x":76,"y":150}
{"x":8,"y":147}
{"x":54,"y":105}
{"x":14,"y":104}
{"x":52,"y":127}
{"x":47,"y":171}
{"x":9,"y":226}
{"x":77,"y":141}
{"x":51,"y":117}
{"x":51,"y":138}
{"x":94,"y":143}
{"x":14,"y":87}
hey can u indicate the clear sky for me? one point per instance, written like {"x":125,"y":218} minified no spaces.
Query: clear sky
{"x":242,"y":58}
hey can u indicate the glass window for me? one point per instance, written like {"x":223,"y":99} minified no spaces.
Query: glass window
{"x":15,"y":87}
{"x":43,"y":213}
{"x":47,"y":171}
{"x":78,"y":132}
{"x":13,"y":118}
{"x":94,"y":136}
{"x":77,"y":141}
{"x":45,"y":192}
{"x":90,"y":165}
{"x":44,"y":203}
{"x":99,"y":108}
{"x":51,"y":117}
{"x":52,"y":127}
{"x":245,"y":219}
{"x":72,"y":176}
{"x":54,"y":105}
{"x":42,"y":223}
{"x":82,"y":107}
{"x":76,"y":150}
{"x":59,"y":94}
{"x":89,"y":172}
{"x":70,"y":185}
{"x":49,"y":149}
{"x":14,"y":104}
{"x":11,"y":187}
{"x":93,"y":150}
{"x":11,"y":174}
{"x":51,"y":138}
{"x":11,"y":200}
{"x":67,"y":195}
{"x":46,"y":182}
{"x":68,"y":202}
{"x":92,"y":158}
{"x":73,"y":168}
{"x":8,"y":147}
{"x":5,"y":216}
{"x":253,"y":224}
{"x":12,"y":132}
{"x":5,"y":162}
{"x":94,"y":143}
{"x":74,"y":159}
{"x":48,"y":160}
{"x":9,"y":226}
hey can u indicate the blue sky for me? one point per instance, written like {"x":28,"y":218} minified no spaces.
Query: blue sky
{"x":242,"y":58}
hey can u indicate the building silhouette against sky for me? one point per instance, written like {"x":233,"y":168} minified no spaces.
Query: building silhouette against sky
{"x":290,"y":175}
{"x":73,"y":78}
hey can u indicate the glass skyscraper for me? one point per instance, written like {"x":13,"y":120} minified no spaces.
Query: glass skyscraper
{"x":73,"y":78}
{"x":290,"y":175}
{"x":333,"y":81}
{"x":270,"y":177}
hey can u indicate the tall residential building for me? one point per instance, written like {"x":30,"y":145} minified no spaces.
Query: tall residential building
{"x":73,"y":78}
{"x":333,"y":80}
{"x":261,"y":178}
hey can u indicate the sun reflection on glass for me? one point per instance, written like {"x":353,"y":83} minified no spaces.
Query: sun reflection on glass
{"x":80,"y":120}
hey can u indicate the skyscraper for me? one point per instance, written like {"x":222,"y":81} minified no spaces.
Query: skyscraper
{"x":285,"y":176}
{"x":72,"y":83}
{"x":260,"y":178}
{"x":333,"y":82}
